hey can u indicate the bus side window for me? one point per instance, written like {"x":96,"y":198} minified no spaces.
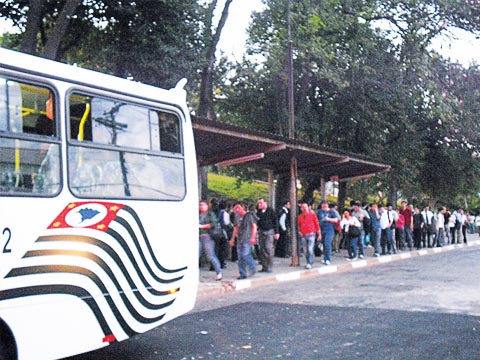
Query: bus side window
{"x":169,"y":132}
{"x":27,"y":164}
{"x":45,"y":124}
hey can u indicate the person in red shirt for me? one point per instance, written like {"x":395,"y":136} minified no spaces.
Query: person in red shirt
{"x":407,"y":212}
{"x":309,"y":229}
{"x":400,"y":231}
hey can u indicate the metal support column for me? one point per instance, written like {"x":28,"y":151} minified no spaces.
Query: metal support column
{"x":293,"y":211}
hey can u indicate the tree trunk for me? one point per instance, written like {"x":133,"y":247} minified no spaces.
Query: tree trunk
{"x":282,"y":193}
{"x":204,"y":183}
{"x":205,"y":106}
{"x":392,"y":196}
{"x":60,"y":28}
{"x":34,"y":19}
{"x":342,"y":195}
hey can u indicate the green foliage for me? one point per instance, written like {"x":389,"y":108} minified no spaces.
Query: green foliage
{"x":230,"y":188}
{"x":360,"y":87}
{"x":357,"y":89}
{"x":157,"y":44}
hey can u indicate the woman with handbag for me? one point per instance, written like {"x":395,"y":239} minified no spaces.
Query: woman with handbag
{"x":352,"y":228}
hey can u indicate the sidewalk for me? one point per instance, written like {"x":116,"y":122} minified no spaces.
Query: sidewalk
{"x":282,"y":271}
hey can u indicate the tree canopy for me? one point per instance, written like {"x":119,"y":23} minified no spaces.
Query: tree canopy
{"x":366,"y":78}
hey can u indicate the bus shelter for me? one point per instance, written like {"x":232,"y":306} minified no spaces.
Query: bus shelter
{"x":222,"y":144}
{"x":218,"y":143}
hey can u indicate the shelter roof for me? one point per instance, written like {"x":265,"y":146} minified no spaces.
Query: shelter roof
{"x":225,"y":144}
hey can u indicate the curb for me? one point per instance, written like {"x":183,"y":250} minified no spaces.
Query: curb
{"x":209,"y":289}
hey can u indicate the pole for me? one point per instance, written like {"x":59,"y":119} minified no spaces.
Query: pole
{"x":291,"y":112}
{"x":295,"y":261}
{"x":291,"y":134}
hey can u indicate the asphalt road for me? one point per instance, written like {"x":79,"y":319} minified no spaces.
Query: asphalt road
{"x":420,"y":308}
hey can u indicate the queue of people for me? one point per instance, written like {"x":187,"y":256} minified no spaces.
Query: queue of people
{"x":249,"y":234}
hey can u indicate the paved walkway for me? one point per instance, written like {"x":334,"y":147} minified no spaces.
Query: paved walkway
{"x":283,"y":271}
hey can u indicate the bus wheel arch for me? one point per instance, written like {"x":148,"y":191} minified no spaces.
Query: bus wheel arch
{"x":8,"y":348}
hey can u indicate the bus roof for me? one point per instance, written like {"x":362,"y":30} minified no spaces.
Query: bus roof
{"x":15,"y":60}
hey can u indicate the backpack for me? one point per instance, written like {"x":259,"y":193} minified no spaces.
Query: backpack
{"x":217,"y":233}
{"x":227,"y":228}
{"x":367,"y":224}
{"x":458,"y":224}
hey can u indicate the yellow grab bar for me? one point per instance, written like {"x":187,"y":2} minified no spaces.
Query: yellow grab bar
{"x":81,"y":133}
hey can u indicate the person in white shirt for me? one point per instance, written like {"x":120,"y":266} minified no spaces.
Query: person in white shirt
{"x":451,"y":228}
{"x":386,"y":222}
{"x":441,"y":227}
{"x":464,"y":226}
{"x":282,"y":247}
{"x":348,"y":221}
{"x":429,"y":229}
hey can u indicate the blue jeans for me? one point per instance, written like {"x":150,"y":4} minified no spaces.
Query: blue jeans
{"x":327,"y":238}
{"x":208,"y":245}
{"x":353,"y":247}
{"x":308,"y":242}
{"x":441,"y":237}
{"x":361,"y":242}
{"x":377,"y":235}
{"x":265,"y":239}
{"x":387,"y":241}
{"x":245,"y":258}
{"x":408,"y":236}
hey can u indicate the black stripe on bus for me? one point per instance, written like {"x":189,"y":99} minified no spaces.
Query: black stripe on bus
{"x":47,"y":269}
{"x":144,"y":234}
{"x":127,"y":249}
{"x":100,"y":262}
{"x":51,"y":289}
{"x":116,"y":258}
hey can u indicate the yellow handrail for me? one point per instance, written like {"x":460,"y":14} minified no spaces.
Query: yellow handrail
{"x":17,"y":163}
{"x":81,"y":132}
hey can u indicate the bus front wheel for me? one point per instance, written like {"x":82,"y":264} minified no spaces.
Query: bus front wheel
{"x":8,"y":349}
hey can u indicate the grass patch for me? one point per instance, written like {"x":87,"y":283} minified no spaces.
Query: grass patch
{"x":227,"y":188}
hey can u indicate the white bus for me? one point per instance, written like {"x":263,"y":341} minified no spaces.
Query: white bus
{"x":98,"y":208}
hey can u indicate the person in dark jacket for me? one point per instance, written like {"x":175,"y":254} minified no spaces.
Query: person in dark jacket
{"x":282,"y":249}
{"x":267,"y":234}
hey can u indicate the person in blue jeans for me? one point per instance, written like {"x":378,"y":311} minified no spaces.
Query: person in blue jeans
{"x":327,"y":218}
{"x":309,"y":230}
{"x":207,"y":221}
{"x":245,"y":229}
{"x":375,"y":216}
{"x":347,"y":222}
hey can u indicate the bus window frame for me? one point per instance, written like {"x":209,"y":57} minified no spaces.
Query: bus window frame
{"x":132,"y":100}
{"x":56,"y":139}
